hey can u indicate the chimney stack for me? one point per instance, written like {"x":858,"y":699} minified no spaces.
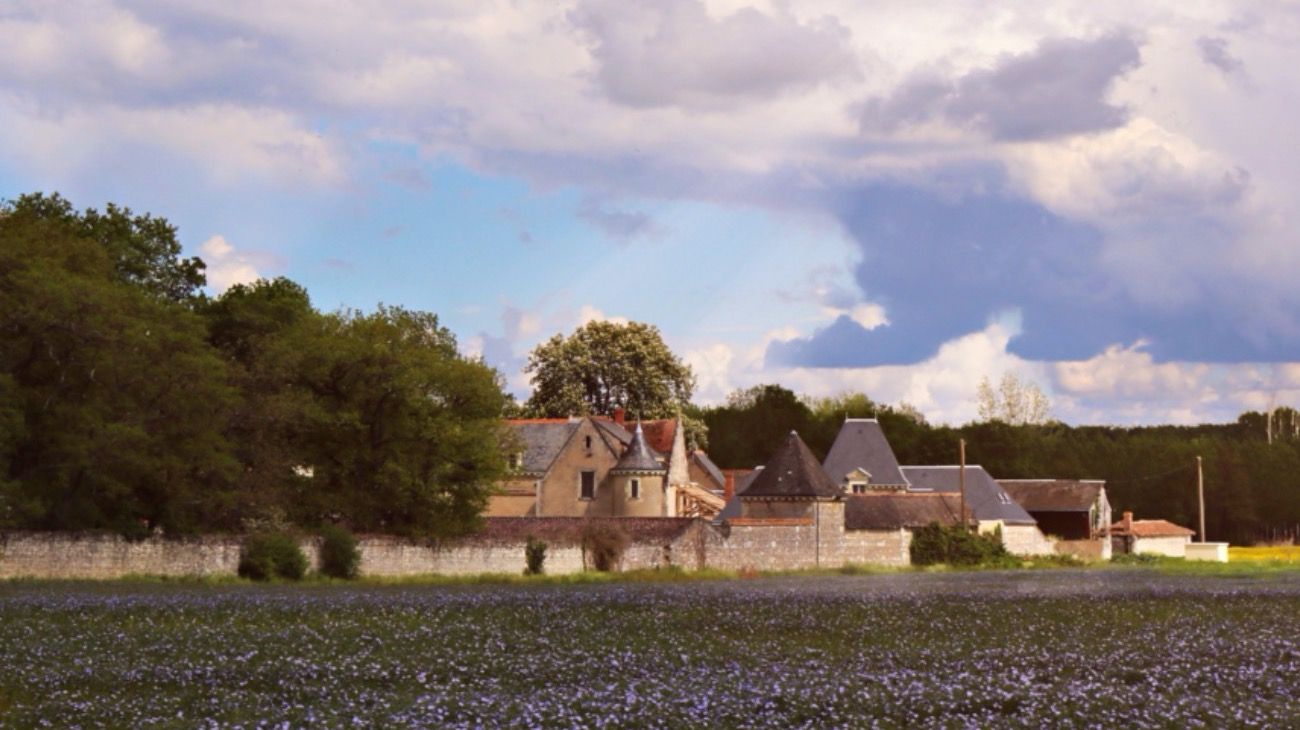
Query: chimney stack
{"x":1128,"y":522}
{"x":619,"y":415}
{"x":729,"y":486}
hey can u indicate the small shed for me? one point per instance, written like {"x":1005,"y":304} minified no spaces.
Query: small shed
{"x":1150,"y":537}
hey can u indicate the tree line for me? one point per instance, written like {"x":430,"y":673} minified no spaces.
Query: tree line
{"x":1252,"y":486}
{"x":130,"y":401}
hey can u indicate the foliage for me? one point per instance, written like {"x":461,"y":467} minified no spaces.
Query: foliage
{"x":603,"y":543}
{"x":339,"y":556}
{"x":1016,"y":402}
{"x":272,"y":555}
{"x":956,"y":545}
{"x":534,"y":556}
{"x":404,"y":433}
{"x":115,"y":407}
{"x":130,"y":402}
{"x":141,"y":250}
{"x":607,"y":365}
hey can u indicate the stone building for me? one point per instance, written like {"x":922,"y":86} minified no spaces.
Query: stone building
{"x":989,"y":504}
{"x":594,"y":466}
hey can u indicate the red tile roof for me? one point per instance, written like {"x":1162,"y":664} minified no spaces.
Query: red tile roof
{"x":659,"y":434}
{"x":1151,"y":528}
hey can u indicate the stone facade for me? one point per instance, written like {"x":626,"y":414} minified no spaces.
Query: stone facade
{"x":1026,"y":540}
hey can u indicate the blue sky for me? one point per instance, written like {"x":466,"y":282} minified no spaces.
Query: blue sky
{"x":1096,"y":196}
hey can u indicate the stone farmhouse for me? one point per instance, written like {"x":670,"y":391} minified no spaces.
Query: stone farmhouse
{"x":596,"y":466}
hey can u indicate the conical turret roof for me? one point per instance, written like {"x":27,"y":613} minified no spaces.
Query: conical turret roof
{"x":792,"y":472}
{"x":638,"y":458}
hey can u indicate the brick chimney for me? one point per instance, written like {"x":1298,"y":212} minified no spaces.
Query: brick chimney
{"x":729,"y":485}
{"x":619,"y":415}
{"x":1127,"y":522}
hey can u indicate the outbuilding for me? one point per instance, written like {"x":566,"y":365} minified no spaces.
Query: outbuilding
{"x":1150,"y":537}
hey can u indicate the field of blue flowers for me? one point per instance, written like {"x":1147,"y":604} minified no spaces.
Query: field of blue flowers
{"x":1071,"y":648}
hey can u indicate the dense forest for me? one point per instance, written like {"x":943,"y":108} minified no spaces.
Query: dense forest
{"x":130,"y":401}
{"x":1252,"y":487}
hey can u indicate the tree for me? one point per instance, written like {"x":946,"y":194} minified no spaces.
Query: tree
{"x":265,"y":331}
{"x":142,"y":249}
{"x":606,"y":365}
{"x":114,"y":405}
{"x":404,"y":435}
{"x":747,"y":429}
{"x":1016,"y":402}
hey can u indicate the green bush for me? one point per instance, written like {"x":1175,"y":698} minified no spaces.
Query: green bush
{"x":1136,"y":559}
{"x":534,"y":556}
{"x":272,"y":555}
{"x":603,"y":544}
{"x":339,"y":556}
{"x":957,"y":545}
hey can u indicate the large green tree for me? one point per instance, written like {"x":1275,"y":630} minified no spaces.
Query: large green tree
{"x":607,"y":365}
{"x":405,"y":432}
{"x":114,"y":405}
{"x":142,"y":250}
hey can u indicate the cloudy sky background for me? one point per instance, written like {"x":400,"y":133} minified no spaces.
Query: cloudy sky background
{"x":1098,"y":196}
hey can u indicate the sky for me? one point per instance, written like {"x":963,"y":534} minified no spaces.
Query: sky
{"x":898,"y":198}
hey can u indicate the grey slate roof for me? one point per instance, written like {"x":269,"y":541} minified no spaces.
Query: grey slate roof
{"x":895,"y":510}
{"x":620,"y":434}
{"x":861,"y":444}
{"x":542,"y":442}
{"x":984,"y":497}
{"x":792,"y":471}
{"x":638,"y":458}
{"x":709,"y":467}
{"x":1054,"y":495}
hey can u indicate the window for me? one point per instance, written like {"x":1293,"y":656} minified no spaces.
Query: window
{"x":859,"y":487}
{"x":588,"y":485}
{"x":634,"y":488}
{"x":588,"y":442}
{"x":516,"y":461}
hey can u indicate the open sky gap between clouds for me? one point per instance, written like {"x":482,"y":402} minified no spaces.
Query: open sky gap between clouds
{"x":1078,"y":171}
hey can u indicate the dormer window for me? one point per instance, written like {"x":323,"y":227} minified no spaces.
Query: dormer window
{"x":516,"y":460}
{"x":858,"y":487}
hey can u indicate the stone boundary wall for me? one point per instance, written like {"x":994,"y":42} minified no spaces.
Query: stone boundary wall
{"x":1084,"y":549}
{"x":691,"y":544}
{"x":499,"y":549}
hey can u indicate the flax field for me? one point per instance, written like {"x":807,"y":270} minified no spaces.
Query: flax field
{"x":1067,"y":648}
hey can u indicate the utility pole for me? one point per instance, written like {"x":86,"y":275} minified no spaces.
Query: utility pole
{"x":961,"y":481}
{"x":1200,"y":493}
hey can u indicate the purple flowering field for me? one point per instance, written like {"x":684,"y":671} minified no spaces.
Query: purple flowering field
{"x":1066,"y":648}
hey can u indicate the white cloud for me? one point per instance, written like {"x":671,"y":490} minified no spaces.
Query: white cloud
{"x":587,"y":313}
{"x":227,"y":266}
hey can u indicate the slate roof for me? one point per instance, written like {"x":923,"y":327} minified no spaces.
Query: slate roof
{"x":895,"y":510}
{"x":1054,"y":495}
{"x":705,"y":463}
{"x":792,"y":472}
{"x":861,"y":444}
{"x":638,"y":458}
{"x":620,"y":434}
{"x":542,"y":439}
{"x":1151,"y":528}
{"x":984,"y":497}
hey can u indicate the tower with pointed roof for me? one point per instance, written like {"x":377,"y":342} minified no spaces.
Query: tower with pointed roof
{"x":790,"y":485}
{"x":639,"y":481}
